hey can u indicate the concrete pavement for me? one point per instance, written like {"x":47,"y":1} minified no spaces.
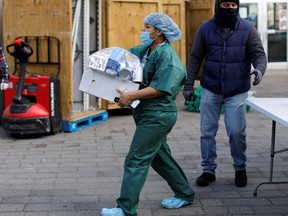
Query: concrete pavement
{"x":77,"y":174}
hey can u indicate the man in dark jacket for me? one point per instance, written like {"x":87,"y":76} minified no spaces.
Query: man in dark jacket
{"x":229,"y":45}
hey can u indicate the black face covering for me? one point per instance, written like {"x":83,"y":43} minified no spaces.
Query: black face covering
{"x":228,"y":17}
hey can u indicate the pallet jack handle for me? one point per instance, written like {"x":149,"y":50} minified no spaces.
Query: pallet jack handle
{"x":22,"y":51}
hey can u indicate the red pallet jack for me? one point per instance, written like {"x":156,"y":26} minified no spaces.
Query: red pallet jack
{"x":32,"y":102}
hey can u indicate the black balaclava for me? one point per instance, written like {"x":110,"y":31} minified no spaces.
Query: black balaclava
{"x":226,"y":17}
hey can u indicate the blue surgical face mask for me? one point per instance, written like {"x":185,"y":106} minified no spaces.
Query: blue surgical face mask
{"x":145,"y":38}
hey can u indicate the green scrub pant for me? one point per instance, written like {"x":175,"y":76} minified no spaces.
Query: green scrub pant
{"x":149,"y":148}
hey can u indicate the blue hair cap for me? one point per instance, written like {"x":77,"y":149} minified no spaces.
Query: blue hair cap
{"x":164,"y":23}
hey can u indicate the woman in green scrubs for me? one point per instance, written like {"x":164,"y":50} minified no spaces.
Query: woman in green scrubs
{"x":163,"y":77}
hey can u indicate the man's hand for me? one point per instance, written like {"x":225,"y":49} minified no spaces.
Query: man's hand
{"x":4,"y":86}
{"x":258,"y":76}
{"x":188,"y":93}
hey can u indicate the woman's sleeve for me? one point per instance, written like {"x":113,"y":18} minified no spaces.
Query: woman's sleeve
{"x":169,"y":74}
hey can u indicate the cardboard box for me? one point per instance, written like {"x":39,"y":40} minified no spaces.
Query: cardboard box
{"x":103,"y":85}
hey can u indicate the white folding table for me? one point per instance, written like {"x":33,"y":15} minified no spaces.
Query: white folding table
{"x":277,"y":110}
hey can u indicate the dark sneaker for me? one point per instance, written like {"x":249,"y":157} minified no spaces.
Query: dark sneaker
{"x":240,"y":178}
{"x":205,"y":179}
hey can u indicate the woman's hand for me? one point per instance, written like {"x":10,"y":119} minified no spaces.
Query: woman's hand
{"x":125,"y":98}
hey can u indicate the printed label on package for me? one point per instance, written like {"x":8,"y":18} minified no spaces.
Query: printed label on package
{"x":97,"y":62}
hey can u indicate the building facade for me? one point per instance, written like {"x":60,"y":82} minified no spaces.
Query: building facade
{"x":270,"y":18}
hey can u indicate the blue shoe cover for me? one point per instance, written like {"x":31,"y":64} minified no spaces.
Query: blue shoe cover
{"x":112,"y":212}
{"x":174,"y":203}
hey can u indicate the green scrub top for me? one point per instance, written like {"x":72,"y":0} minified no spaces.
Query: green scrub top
{"x":162,"y":71}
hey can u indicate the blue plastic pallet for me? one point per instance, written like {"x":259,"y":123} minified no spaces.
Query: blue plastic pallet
{"x":84,"y":123}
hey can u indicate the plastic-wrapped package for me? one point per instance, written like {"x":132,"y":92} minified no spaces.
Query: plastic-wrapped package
{"x":117,"y":61}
